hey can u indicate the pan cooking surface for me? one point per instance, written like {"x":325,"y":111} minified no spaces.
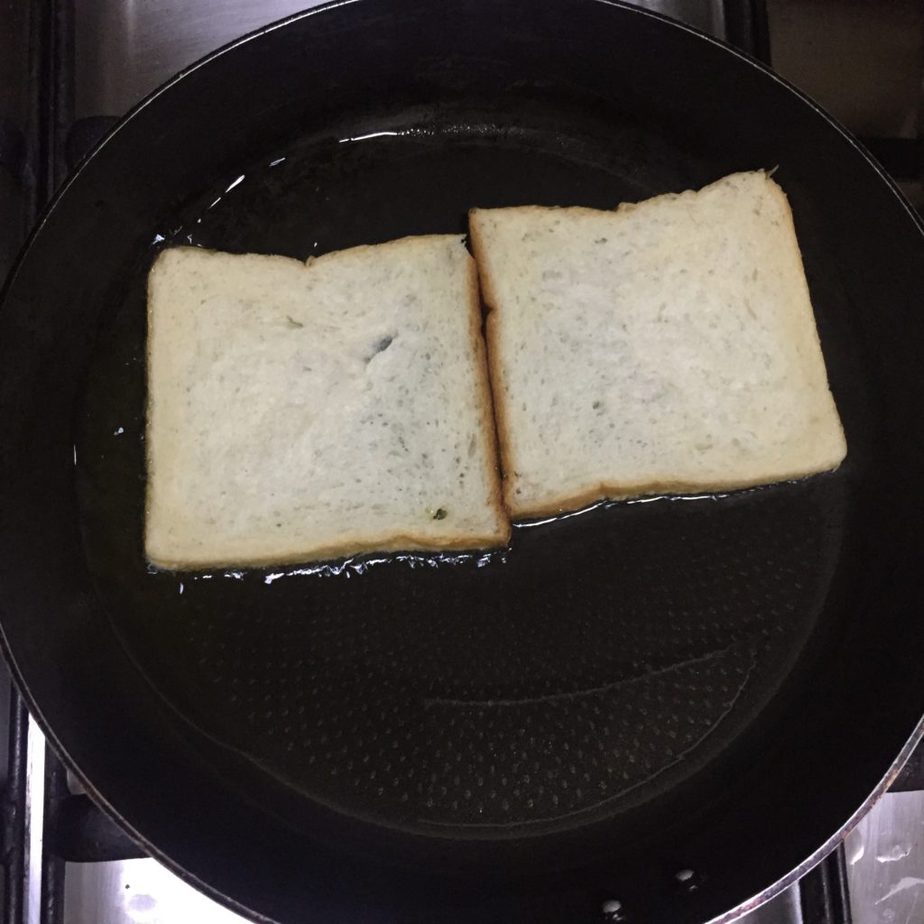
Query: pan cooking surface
{"x":596,"y":663}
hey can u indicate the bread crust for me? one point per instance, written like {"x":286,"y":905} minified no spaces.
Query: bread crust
{"x":599,"y":493}
{"x":319,"y":555}
{"x":492,"y":349}
{"x":489,"y":408}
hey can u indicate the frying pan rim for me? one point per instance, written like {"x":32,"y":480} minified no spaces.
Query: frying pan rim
{"x":36,"y":711}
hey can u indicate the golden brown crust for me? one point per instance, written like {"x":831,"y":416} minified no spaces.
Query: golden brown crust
{"x":322,"y":554}
{"x":612,"y":492}
{"x":492,"y":347}
{"x":148,"y":461}
{"x":483,"y":384}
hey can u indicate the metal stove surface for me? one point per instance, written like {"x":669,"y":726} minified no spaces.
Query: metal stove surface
{"x":123,"y":49}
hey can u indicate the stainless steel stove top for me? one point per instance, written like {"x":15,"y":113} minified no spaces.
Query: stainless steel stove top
{"x":126,"y":49}
{"x":122,"y":50}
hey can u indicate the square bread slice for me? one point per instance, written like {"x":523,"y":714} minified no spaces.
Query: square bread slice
{"x":667,"y":346}
{"x":300,"y":412}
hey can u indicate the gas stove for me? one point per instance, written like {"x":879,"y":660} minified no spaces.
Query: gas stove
{"x":67,"y":72}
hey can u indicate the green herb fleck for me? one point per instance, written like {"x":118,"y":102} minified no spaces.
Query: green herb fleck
{"x":293,"y":322}
{"x":440,"y":514}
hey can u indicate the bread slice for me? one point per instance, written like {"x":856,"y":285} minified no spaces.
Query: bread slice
{"x":302,"y":412}
{"x":669,"y":346}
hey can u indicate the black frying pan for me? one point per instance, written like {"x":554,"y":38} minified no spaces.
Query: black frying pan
{"x":711,"y":685}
